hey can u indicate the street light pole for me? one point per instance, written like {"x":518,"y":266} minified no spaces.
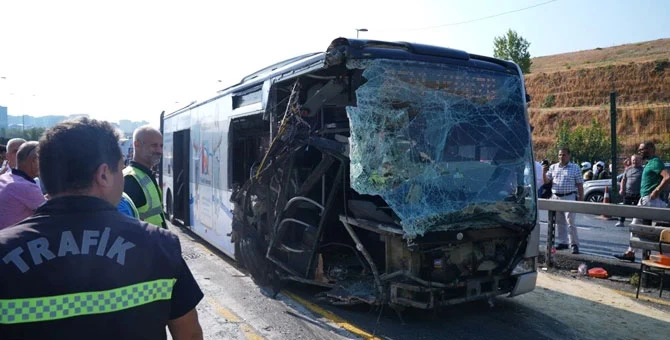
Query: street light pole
{"x":360,"y":30}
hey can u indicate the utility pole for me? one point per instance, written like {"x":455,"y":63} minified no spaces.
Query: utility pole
{"x":615,"y":190}
{"x":360,"y":30}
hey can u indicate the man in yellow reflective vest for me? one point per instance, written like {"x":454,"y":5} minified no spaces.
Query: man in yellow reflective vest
{"x":139,"y":180}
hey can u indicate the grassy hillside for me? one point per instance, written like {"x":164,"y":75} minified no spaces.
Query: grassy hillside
{"x":575,"y":88}
{"x":597,"y":57}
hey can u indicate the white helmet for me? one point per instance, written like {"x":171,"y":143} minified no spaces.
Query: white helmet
{"x":586,"y":166}
{"x":601,"y":163}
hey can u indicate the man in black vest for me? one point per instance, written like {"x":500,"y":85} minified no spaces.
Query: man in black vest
{"x":79,"y":269}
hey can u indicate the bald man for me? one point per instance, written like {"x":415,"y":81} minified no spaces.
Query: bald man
{"x":13,"y":146}
{"x":19,"y":193}
{"x":140,"y":181}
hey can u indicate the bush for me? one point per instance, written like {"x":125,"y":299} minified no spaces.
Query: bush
{"x":549,"y":101}
{"x":585,"y":143}
{"x":661,"y":64}
{"x":635,"y":279}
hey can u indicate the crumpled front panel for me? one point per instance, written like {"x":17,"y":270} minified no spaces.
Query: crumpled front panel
{"x":445,"y":146}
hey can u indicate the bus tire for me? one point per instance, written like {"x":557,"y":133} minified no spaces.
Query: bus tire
{"x":253,"y":257}
{"x":238,"y":253}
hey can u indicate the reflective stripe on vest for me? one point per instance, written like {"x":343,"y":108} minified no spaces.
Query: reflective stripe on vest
{"x":48,"y":308}
{"x":152,"y":211}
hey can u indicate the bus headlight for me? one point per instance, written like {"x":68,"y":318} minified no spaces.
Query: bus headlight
{"x":526,"y":265}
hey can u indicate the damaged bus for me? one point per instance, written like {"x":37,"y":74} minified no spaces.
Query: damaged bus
{"x":389,"y":173}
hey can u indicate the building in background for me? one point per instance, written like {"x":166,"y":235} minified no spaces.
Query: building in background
{"x":126,"y":145}
{"x":9,"y":125}
{"x":128,"y":126}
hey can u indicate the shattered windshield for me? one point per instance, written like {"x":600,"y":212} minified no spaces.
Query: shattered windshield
{"x":446,"y":146}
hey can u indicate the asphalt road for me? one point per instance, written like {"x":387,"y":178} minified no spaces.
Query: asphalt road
{"x":597,"y":236}
{"x":235,"y":307}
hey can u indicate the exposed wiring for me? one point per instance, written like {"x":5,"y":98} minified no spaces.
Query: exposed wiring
{"x":291,"y":110}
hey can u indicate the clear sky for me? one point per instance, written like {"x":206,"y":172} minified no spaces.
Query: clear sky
{"x":133,"y":59}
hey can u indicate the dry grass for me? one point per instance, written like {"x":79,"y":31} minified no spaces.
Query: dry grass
{"x":580,"y":83}
{"x":636,"y":83}
{"x":624,"y":54}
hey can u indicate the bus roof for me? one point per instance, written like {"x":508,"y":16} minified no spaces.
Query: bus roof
{"x":357,"y":49}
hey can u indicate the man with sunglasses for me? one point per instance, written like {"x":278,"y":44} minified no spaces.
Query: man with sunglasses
{"x":655,"y":177}
{"x":567,"y":185}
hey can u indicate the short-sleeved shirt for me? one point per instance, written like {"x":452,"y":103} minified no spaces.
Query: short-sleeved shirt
{"x":564,"y":178}
{"x":651,"y":176}
{"x":633,"y":176}
{"x":79,"y":269}
{"x":125,"y":207}
{"x":20,"y":195}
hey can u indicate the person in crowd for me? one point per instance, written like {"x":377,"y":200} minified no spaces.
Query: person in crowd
{"x":596,"y":170}
{"x":655,"y":178}
{"x":127,"y":207}
{"x":19,"y":193}
{"x":629,"y":188}
{"x":140,"y":181}
{"x":13,"y":146}
{"x":601,"y":171}
{"x":626,"y":163}
{"x":79,"y":269}
{"x":568,"y":184}
{"x":587,"y":171}
{"x":544,"y":188}
{"x":3,"y":154}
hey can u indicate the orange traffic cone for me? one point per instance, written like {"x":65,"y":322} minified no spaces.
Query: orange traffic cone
{"x":606,"y":200}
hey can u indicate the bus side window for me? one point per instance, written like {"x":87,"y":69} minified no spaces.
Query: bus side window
{"x":248,"y":137}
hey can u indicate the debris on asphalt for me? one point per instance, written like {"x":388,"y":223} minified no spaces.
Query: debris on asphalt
{"x":598,"y":273}
{"x":582,"y":269}
{"x":617,"y":278}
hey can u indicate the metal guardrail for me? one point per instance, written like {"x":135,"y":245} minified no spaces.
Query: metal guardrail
{"x":617,"y":210}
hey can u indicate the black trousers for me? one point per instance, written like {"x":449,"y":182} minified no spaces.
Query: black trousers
{"x":629,"y":200}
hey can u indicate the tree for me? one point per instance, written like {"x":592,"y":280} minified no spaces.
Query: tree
{"x":30,"y":134}
{"x":513,"y":47}
{"x":586,"y":144}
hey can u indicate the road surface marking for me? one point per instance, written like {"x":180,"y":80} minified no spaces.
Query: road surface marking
{"x":250,"y":333}
{"x":332,"y":317}
{"x":223,"y":311}
{"x":230,"y":316}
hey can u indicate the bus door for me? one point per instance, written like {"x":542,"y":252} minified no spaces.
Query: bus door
{"x":181,"y":159}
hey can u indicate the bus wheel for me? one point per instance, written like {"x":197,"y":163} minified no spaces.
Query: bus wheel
{"x":238,"y":253}
{"x":252,"y":257}
{"x":248,"y":227}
